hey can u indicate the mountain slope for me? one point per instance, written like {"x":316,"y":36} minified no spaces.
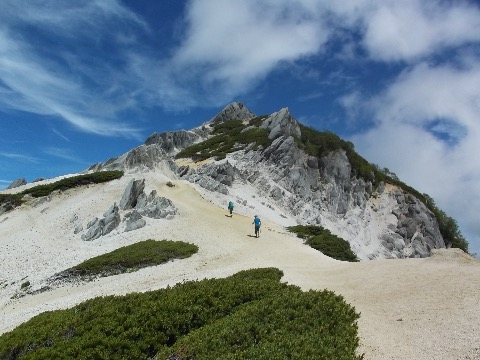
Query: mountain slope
{"x":421,"y":301}
{"x":300,"y":181}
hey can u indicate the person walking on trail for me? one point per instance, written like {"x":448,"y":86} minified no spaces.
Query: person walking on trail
{"x":258,"y":223}
{"x":230,"y":207}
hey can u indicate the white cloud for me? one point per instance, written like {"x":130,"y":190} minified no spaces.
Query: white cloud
{"x":415,"y":152}
{"x":233,"y":45}
{"x":411,"y":29}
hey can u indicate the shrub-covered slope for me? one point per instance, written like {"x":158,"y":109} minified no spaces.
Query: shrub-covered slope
{"x":250,"y":315}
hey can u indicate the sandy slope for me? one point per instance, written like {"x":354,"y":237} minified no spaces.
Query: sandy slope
{"x":410,"y":309}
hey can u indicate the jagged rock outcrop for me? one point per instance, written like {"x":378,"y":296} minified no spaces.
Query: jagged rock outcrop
{"x":172,"y":142}
{"x":217,"y":177}
{"x":143,"y":157}
{"x":16,"y":183}
{"x":131,"y":194}
{"x":161,"y":147}
{"x":99,"y":227}
{"x":151,"y":206}
{"x":156,"y":207}
{"x":281,"y":123}
{"x":134,"y":221}
{"x":136,"y":204}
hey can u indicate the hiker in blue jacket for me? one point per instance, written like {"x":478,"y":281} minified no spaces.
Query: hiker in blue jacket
{"x":230,"y":207}
{"x":258,"y":223}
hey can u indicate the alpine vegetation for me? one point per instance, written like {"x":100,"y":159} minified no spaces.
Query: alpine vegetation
{"x":250,"y":315}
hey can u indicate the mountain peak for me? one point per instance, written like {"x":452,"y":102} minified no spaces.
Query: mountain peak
{"x":233,"y":111}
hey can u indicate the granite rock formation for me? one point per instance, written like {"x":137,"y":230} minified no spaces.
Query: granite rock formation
{"x":379,"y":220}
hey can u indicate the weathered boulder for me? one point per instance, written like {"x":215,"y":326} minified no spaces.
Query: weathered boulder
{"x":94,"y":230}
{"x":111,"y":219}
{"x":78,"y":228}
{"x":131,"y":194}
{"x":157,"y":208}
{"x":99,"y":227}
{"x":134,"y":221}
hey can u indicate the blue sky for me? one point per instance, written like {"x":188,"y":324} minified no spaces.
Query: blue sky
{"x":81,"y":82}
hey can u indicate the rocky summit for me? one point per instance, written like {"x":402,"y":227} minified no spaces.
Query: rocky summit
{"x":289,"y":172}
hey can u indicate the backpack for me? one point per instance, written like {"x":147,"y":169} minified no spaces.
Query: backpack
{"x":230,"y":205}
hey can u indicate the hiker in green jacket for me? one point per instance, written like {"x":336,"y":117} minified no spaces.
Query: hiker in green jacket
{"x":230,"y":208}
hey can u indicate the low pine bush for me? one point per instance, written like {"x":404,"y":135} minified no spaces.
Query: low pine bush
{"x":324,"y":241}
{"x":250,"y":315}
{"x":133,"y":257}
{"x":229,"y":136}
{"x":74,"y":181}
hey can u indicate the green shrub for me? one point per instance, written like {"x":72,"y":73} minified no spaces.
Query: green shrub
{"x":74,"y":181}
{"x":10,"y":201}
{"x":250,"y":315}
{"x":257,"y":121}
{"x":134,"y":257}
{"x":290,"y":324}
{"x":25,"y":285}
{"x":324,"y":241}
{"x":228,"y":137}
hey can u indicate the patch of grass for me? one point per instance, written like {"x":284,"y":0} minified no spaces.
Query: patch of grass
{"x":133,"y":257}
{"x":250,"y":315}
{"x":324,"y":241}
{"x":228,"y":137}
{"x":74,"y":181}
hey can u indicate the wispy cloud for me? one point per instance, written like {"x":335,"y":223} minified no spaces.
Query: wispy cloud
{"x":20,"y":157}
{"x":60,"y":135}
{"x":63,"y":153}
{"x":57,"y":82}
{"x":226,"y":48}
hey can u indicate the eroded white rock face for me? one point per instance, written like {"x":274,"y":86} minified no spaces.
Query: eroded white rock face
{"x":379,"y":223}
{"x":382,"y":222}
